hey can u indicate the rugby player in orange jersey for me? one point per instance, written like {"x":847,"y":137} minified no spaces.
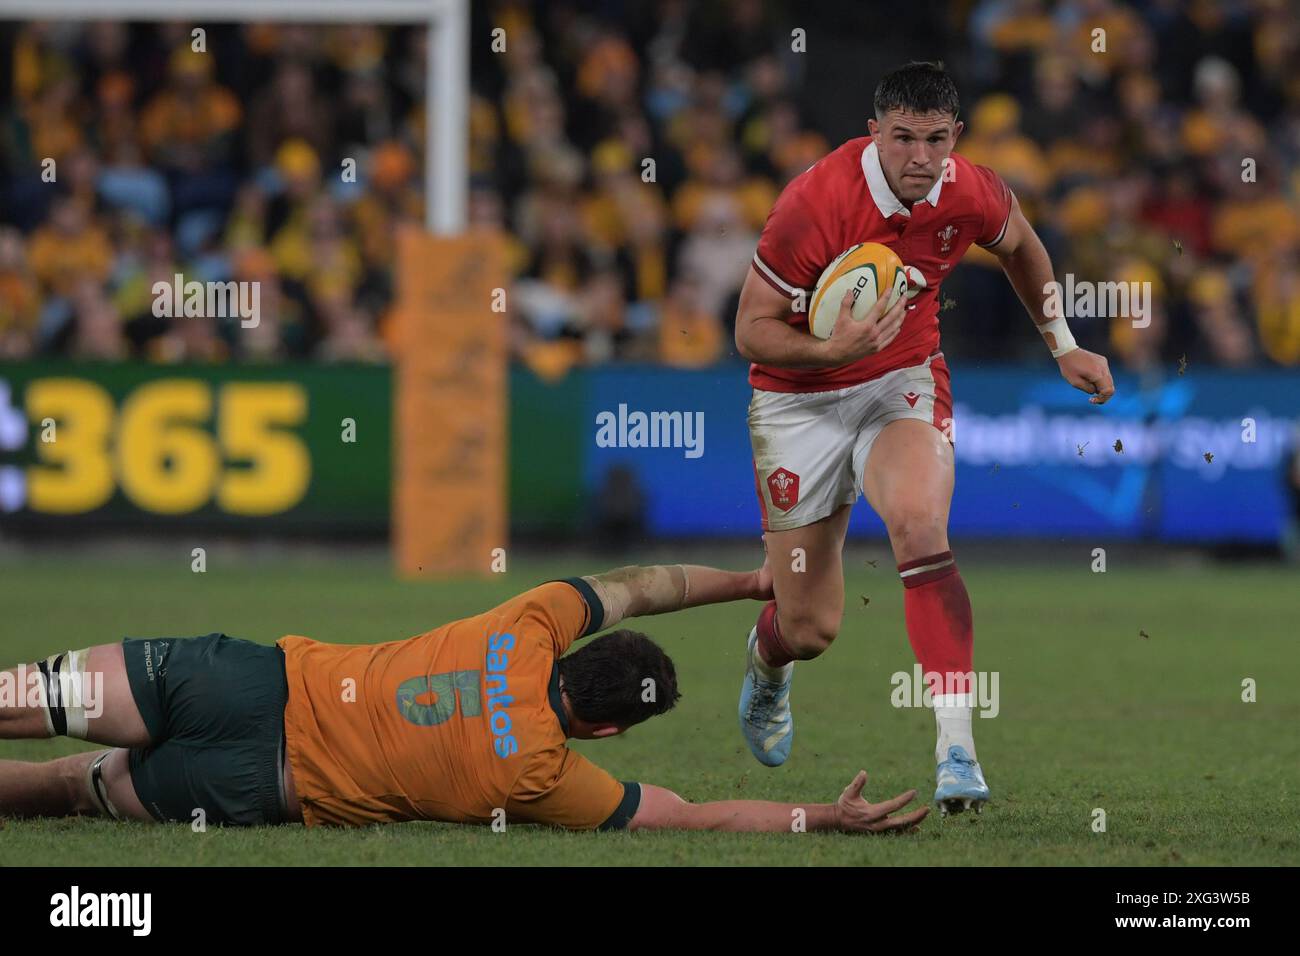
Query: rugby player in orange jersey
{"x":466,"y":723}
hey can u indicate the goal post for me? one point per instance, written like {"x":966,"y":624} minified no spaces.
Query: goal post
{"x":446,"y":103}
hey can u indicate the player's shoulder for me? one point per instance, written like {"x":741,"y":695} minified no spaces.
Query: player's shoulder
{"x":553,"y":771}
{"x":557,"y":598}
{"x":830,"y":175}
{"x":972,"y":181}
{"x":809,"y":213}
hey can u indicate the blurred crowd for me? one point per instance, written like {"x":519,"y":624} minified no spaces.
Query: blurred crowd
{"x":227,"y":163}
{"x":1171,"y":158}
{"x":629,"y":153}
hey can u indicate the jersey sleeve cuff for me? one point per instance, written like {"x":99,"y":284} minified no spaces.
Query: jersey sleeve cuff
{"x":595,"y":609}
{"x":771,"y":278}
{"x":626,"y":809}
{"x":1001,"y":232}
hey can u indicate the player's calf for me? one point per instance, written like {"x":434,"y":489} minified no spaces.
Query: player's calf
{"x":53,"y":788}
{"x":798,"y":634}
{"x":95,"y":783}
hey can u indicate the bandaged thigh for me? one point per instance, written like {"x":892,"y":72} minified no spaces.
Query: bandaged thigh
{"x":66,"y":692}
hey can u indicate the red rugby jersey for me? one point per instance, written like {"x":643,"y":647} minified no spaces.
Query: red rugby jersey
{"x":844,"y":199}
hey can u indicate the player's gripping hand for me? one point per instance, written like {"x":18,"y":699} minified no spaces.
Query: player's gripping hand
{"x":854,"y":815}
{"x":850,"y":340}
{"x":1088,"y":372}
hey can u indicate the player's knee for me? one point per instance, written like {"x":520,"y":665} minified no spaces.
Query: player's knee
{"x":807,"y":636}
{"x":916,"y":531}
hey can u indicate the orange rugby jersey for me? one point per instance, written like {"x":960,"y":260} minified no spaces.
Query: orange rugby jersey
{"x":449,"y":725}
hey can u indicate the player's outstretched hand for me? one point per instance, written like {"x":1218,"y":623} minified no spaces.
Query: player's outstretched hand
{"x":1088,"y":372}
{"x":854,"y":815}
{"x":850,"y":340}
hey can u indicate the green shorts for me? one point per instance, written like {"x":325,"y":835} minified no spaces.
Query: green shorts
{"x":214,"y":708}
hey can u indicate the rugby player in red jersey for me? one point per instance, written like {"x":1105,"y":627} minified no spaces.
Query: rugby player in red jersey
{"x":870,"y":408}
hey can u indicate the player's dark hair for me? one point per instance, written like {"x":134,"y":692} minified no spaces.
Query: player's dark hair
{"x":606,"y":679}
{"x":918,"y":87}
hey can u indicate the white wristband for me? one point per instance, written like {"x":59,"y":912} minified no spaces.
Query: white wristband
{"x":1057,"y":336}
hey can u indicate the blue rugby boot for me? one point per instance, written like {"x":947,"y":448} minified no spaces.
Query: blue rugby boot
{"x":959,"y":783}
{"x":765,"y":718}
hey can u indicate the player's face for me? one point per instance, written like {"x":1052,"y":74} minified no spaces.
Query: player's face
{"x":913,"y":148}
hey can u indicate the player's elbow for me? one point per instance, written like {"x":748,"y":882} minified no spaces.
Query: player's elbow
{"x":744,"y":348}
{"x":661,"y":809}
{"x":741,"y":348}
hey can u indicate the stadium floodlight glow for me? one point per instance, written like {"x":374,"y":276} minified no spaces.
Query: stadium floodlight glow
{"x":446,"y":102}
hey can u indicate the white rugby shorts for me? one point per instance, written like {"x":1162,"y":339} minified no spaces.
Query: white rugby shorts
{"x":810,"y":448}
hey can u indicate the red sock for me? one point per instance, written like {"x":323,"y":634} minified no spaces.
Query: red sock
{"x":937,"y":609}
{"x":770,"y":646}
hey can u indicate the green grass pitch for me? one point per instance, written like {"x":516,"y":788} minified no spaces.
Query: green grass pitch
{"x":1152,"y":730}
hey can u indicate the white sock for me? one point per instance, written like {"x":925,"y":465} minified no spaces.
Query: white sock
{"x":952,"y":717}
{"x":766,"y":671}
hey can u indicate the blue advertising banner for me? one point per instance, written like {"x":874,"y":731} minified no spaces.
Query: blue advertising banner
{"x":1198,"y":457}
{"x":1201,"y":457}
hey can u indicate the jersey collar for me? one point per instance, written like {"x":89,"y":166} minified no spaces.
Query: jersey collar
{"x":881,"y":194}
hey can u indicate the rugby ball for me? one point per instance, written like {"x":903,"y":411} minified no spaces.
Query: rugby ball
{"x":866,"y":269}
